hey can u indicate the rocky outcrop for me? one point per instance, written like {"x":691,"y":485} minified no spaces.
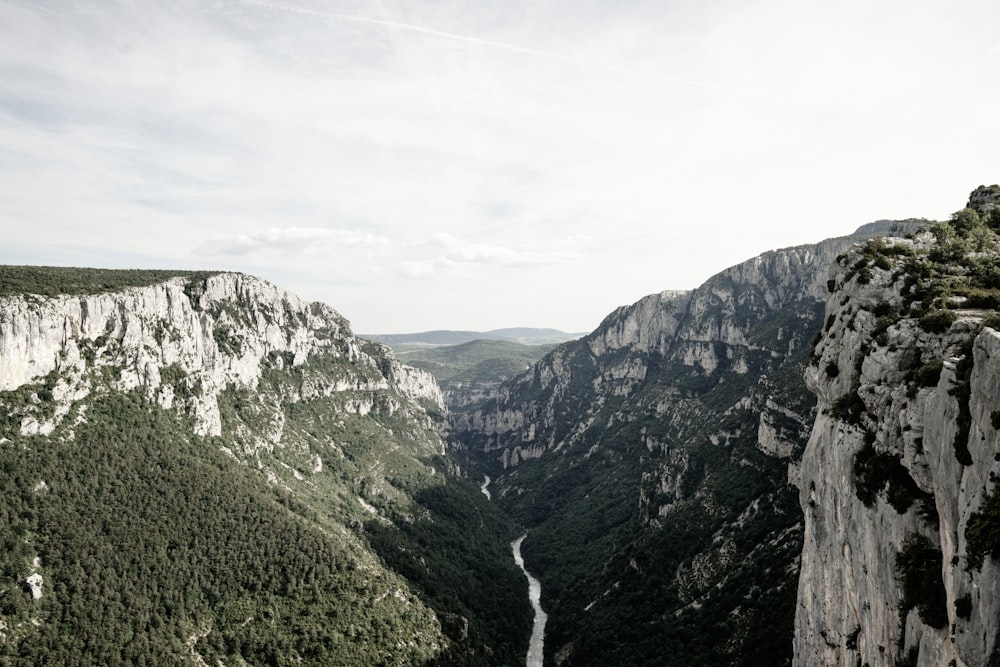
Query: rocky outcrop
{"x":903,"y":455}
{"x":183,"y":342}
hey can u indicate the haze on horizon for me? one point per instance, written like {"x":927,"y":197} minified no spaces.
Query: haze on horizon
{"x":471,"y":165}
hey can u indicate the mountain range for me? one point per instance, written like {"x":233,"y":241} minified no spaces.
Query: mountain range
{"x":793,"y":463}
{"x":520,"y":335}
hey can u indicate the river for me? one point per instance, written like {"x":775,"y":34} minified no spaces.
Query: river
{"x":537,"y":641}
{"x":535,"y":656}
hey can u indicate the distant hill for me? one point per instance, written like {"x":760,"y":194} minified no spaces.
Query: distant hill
{"x":522,"y":335}
{"x":468,"y":371}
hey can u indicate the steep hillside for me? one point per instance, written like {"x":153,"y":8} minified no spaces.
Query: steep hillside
{"x":204,"y":469}
{"x":650,"y":461}
{"x":902,"y":516}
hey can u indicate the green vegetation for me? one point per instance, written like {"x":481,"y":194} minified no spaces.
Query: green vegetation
{"x":877,"y":471}
{"x":929,"y":374}
{"x":918,"y":567}
{"x":982,"y":533}
{"x":962,"y":391}
{"x":149,"y":536}
{"x":56,"y":280}
{"x":32,"y":400}
{"x":849,"y":407}
{"x":698,"y":571}
{"x":478,"y":364}
{"x":438,"y":532}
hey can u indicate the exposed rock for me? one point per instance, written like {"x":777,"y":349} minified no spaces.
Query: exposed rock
{"x":879,"y":400}
{"x":34,"y":583}
{"x":218,"y":334}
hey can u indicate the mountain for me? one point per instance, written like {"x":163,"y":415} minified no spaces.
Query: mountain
{"x":202,"y":468}
{"x":521,"y":335}
{"x":650,"y":461}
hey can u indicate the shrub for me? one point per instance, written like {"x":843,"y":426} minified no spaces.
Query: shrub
{"x":851,"y":642}
{"x":929,"y":374}
{"x":982,"y":533}
{"x":875,"y":471}
{"x":849,"y":407}
{"x":918,"y":568}
{"x":937,"y":320}
{"x":963,"y":607}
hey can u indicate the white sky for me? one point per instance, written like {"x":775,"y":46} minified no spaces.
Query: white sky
{"x":425,"y":164}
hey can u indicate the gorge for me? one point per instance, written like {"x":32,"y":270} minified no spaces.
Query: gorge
{"x":791,"y":464}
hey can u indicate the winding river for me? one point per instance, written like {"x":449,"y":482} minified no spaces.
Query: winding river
{"x":537,"y":641}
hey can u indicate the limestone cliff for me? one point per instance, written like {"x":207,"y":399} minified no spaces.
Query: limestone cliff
{"x":655,"y":454}
{"x":711,"y":328}
{"x":897,"y":480}
{"x":221,"y":332}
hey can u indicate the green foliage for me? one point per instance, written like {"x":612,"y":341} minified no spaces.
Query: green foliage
{"x":460,"y":562}
{"x":477,"y":364}
{"x":877,"y":471}
{"x":29,"y":400}
{"x":153,"y":540}
{"x":590,"y":544}
{"x":849,"y":407}
{"x":982,"y":533}
{"x":962,"y":391}
{"x":227,"y":339}
{"x":963,"y":607}
{"x":149,"y":534}
{"x":918,"y":568}
{"x":937,"y":321}
{"x":183,"y":385}
{"x":929,"y":374}
{"x":56,"y":280}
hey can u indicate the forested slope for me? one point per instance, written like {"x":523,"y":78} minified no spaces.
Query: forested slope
{"x":204,"y":467}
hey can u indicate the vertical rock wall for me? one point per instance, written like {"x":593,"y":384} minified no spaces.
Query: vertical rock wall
{"x":890,"y":478}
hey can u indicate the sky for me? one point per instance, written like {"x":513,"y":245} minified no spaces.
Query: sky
{"x":460,"y":164}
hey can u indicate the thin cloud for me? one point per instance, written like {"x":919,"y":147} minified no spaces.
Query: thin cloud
{"x":305,"y":240}
{"x":488,"y":43}
{"x":455,"y":253}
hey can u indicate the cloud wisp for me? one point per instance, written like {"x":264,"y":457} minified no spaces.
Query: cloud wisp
{"x":293,"y":240}
{"x":450,"y":252}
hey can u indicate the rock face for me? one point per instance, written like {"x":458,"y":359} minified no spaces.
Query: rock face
{"x":705,"y":330}
{"x":903,"y":456}
{"x":655,"y":454}
{"x":218,"y":333}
